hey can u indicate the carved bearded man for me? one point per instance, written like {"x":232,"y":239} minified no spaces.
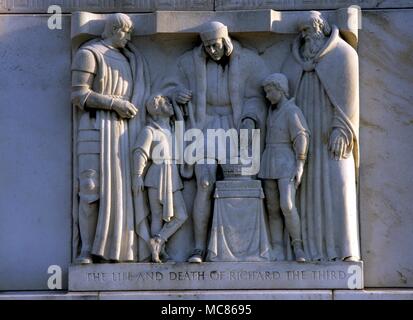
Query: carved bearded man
{"x":222,"y":80}
{"x":323,"y":76}
{"x":107,"y":88}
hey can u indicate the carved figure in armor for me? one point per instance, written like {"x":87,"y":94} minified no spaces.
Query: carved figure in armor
{"x":104,"y":82}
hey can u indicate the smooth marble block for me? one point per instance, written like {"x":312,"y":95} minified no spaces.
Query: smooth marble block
{"x":308,"y":4}
{"x":220,"y":295}
{"x":225,"y":275}
{"x":389,"y":294}
{"x":35,"y":6}
{"x":35,"y":151}
{"x":386,"y":133}
{"x":48,"y":295}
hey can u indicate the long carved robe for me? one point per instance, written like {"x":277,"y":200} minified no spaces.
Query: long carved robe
{"x":327,"y":91}
{"x":121,"y":75}
{"x":242,"y":91}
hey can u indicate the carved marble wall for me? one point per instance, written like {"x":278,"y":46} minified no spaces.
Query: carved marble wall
{"x":385,"y":132}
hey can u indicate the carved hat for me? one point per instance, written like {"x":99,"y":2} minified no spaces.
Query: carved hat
{"x":214,"y":30}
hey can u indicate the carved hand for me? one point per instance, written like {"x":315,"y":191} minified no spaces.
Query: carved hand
{"x":138,"y":184}
{"x":337,"y":144}
{"x":125,"y":109}
{"x":183,"y":96}
{"x":298,"y":174}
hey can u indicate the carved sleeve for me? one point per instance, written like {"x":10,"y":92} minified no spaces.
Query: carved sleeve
{"x":83,"y":74}
{"x":141,"y":154}
{"x":254,"y":104}
{"x":340,"y":124}
{"x":299,"y":133}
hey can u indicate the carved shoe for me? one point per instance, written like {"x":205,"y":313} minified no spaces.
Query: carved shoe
{"x":197,"y":256}
{"x":84,"y":258}
{"x":298,"y":250}
{"x":155,"y":244}
{"x":351,"y":259}
{"x":164,"y":255}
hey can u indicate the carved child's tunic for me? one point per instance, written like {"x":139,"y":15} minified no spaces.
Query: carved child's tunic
{"x":284,"y":125}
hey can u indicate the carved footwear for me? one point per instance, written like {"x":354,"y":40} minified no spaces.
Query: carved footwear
{"x":156,"y":245}
{"x":351,"y":259}
{"x":197,"y":256}
{"x":298,"y":250}
{"x":278,"y":252}
{"x":84,"y":258}
{"x":164,"y":256}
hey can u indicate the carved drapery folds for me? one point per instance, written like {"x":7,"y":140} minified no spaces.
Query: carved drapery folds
{"x":140,"y":195}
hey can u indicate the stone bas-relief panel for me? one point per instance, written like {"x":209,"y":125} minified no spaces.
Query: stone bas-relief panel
{"x":229,"y":275}
{"x":131,"y":160}
{"x":385,"y":213}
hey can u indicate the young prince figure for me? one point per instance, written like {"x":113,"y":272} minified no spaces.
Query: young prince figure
{"x":282,"y":164}
{"x":154,"y":151}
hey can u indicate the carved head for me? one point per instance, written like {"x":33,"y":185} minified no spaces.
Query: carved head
{"x":316,"y":25}
{"x":276,"y":86}
{"x":118,"y":29}
{"x":159,"y":105}
{"x":216,"y":40}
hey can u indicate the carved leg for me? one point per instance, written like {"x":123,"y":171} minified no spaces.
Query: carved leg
{"x":180,"y":216}
{"x":88,"y":203}
{"x":156,"y":211}
{"x":292,"y":219}
{"x":205,"y":177}
{"x":156,"y":242}
{"x":276,"y":223}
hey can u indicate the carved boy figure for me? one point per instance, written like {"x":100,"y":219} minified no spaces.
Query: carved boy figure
{"x":154,"y":150}
{"x":103,"y":82}
{"x":222,"y":79}
{"x":282,"y":163}
{"x":323,"y":76}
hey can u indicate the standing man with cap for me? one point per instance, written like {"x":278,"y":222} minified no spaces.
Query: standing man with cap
{"x":222,"y":80}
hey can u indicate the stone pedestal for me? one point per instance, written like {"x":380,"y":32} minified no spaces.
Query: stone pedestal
{"x":210,"y":276}
{"x":239,"y":230}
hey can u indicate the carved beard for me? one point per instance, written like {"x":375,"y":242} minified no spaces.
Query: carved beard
{"x":312,"y":45}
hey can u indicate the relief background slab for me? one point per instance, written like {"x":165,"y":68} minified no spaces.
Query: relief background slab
{"x":35,"y":142}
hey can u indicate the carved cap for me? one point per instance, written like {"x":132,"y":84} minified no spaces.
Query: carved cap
{"x":214,"y":30}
